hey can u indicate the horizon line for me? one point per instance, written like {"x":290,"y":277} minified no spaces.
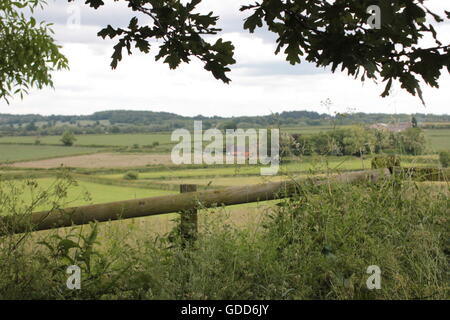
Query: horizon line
{"x":218,"y":116}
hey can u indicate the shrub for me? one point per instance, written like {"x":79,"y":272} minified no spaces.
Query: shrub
{"x":444,"y":158}
{"x":379,"y":162}
{"x":68,"y":138}
{"x":131,"y":175}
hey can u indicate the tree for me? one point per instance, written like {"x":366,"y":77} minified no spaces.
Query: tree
{"x":385,"y":162}
{"x":414,"y":122}
{"x":381,"y":140}
{"x":357,"y":141}
{"x":31,"y":126}
{"x":327,"y":33}
{"x":288,"y":145}
{"x":28,"y":54}
{"x":131,"y":175}
{"x":115,"y":129}
{"x":411,"y":141}
{"x":305,"y":144}
{"x":68,"y":138}
{"x":229,"y":125}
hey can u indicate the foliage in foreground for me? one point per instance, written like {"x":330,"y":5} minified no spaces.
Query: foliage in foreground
{"x":316,"y":245}
{"x":28,"y":52}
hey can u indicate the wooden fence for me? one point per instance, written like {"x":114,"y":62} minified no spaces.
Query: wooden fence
{"x":187,"y":202}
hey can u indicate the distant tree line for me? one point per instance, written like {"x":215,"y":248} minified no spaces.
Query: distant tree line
{"x":355,"y":141}
{"x":123,"y":121}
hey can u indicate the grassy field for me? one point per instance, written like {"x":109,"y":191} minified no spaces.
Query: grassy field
{"x":90,"y":193}
{"x":227,"y":182}
{"x":121,"y":140}
{"x":305,"y":164}
{"x":85,"y":193}
{"x":10,"y":153}
{"x":315,"y":245}
{"x":439,"y":139}
{"x":308,"y":130}
{"x":258,"y":250}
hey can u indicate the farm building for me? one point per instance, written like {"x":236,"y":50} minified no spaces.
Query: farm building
{"x":392,"y":127}
{"x":238,"y":151}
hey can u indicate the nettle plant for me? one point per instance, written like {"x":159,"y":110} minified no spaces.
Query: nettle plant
{"x":330,"y":33}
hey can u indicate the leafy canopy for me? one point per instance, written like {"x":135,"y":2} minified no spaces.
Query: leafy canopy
{"x":326,"y":33}
{"x":28,"y":53}
{"x":68,"y":138}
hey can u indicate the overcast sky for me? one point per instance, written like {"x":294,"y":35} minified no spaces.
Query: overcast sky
{"x":261,"y":82}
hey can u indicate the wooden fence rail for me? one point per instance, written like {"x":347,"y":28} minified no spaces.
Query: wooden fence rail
{"x":182,"y":202}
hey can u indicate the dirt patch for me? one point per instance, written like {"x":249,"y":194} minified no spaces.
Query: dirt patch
{"x":98,"y":160}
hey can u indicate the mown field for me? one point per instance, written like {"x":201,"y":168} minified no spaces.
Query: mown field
{"x":296,"y":165}
{"x":96,"y":139}
{"x":91,"y":193}
{"x":307,"y":130}
{"x":84,"y":192}
{"x":439,"y":139}
{"x":342,"y":164}
{"x":13,"y":153}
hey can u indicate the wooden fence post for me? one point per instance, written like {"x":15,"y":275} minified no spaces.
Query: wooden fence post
{"x":189,"y":219}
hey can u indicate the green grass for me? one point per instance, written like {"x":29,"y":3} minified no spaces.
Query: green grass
{"x":85,"y":193}
{"x":231,"y":176}
{"x":228,"y":182}
{"x":439,"y":139}
{"x":189,"y":173}
{"x":302,"y":165}
{"x":126,"y":140}
{"x":12,"y":153}
{"x":98,"y":193}
{"x":98,"y":139}
{"x":308,"y":130}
